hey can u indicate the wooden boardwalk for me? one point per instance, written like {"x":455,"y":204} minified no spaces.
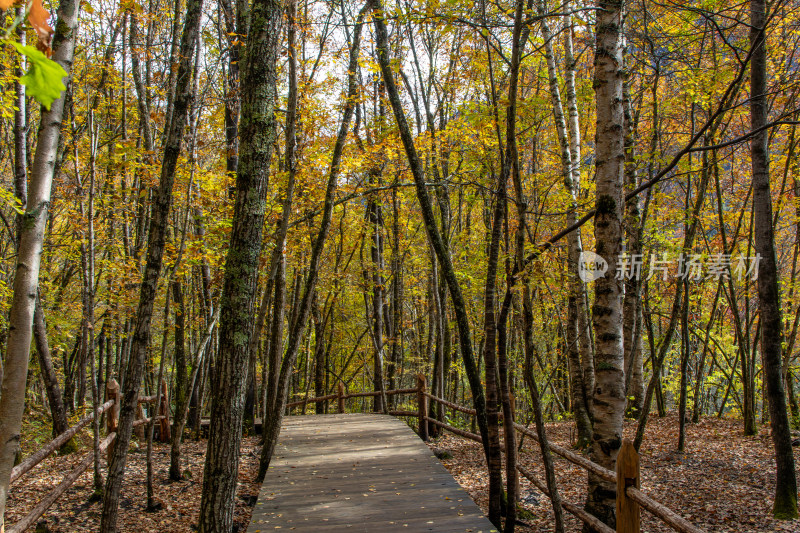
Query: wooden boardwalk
{"x":360,"y":472}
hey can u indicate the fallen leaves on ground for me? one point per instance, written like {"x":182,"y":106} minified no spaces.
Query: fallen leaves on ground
{"x":723,"y":482}
{"x":180,"y":501}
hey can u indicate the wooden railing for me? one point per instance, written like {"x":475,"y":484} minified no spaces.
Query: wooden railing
{"x":630,"y":499}
{"x":341,"y":396}
{"x":111,"y":410}
{"x":627,"y":479}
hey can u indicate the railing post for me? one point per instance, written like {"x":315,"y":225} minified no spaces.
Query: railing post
{"x":112,"y":415}
{"x":340,"y":397}
{"x":139,"y":430}
{"x":164,"y":433}
{"x":422,"y":407}
{"x":627,"y":476}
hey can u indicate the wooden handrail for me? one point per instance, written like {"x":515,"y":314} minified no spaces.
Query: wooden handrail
{"x":44,"y":452}
{"x":572,"y":457}
{"x":400,"y":391}
{"x":631,"y":493}
{"x":312,"y":400}
{"x":343,"y":396}
{"x":451,"y":429}
{"x":667,"y":515}
{"x":570,"y":507}
{"x":403,"y":413}
{"x":362,"y":394}
{"x":57,"y":492}
{"x":141,"y":421}
{"x":112,"y":390}
{"x":451,"y":405}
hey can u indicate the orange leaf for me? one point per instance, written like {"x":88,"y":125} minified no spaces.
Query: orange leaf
{"x":5,"y":4}
{"x":38,"y":16}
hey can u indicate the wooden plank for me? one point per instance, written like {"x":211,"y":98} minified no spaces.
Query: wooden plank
{"x":360,"y":472}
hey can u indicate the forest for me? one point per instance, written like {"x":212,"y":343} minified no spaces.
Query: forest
{"x":555,"y":213}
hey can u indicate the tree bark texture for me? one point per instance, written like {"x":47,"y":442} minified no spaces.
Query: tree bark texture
{"x":609,"y":401}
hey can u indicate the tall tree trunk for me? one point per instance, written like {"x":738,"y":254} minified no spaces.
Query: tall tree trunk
{"x":31,"y":236}
{"x":181,"y":391}
{"x":573,"y":335}
{"x":89,"y":299}
{"x":684,"y":367}
{"x":769,"y":300}
{"x":378,"y":288}
{"x":490,"y":354}
{"x":278,"y":260}
{"x":271,"y":424}
{"x":584,"y":334}
{"x":632,"y":302}
{"x":397,"y":300}
{"x":239,"y":293}
{"x":155,"y":254}
{"x":20,"y":135}
{"x":431,"y":229}
{"x":528,"y":347}
{"x":609,"y":394}
{"x":319,"y":356}
{"x":57,"y":409}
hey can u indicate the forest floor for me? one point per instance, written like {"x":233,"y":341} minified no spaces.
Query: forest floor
{"x":180,"y":501}
{"x":724,"y":482}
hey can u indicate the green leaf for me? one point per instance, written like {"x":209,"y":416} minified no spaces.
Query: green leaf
{"x":43,"y":79}
{"x":11,"y":201}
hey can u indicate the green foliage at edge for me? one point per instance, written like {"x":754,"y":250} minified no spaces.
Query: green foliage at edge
{"x":43,"y":79}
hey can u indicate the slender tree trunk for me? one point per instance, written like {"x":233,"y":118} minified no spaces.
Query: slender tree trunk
{"x":181,"y":390}
{"x":696,"y":405}
{"x":490,"y":354}
{"x":152,"y":504}
{"x":89,"y":298}
{"x":20,"y":135}
{"x":319,"y":357}
{"x":396,"y":300}
{"x":271,"y":425}
{"x":376,"y":254}
{"x":632,"y":302}
{"x":239,"y":293}
{"x":434,"y":235}
{"x":528,"y":347}
{"x":574,"y":300}
{"x":155,"y":254}
{"x":584,"y":334}
{"x":609,"y":394}
{"x":31,"y":236}
{"x":654,"y":387}
{"x":684,"y":368}
{"x":769,"y":300}
{"x":57,"y":409}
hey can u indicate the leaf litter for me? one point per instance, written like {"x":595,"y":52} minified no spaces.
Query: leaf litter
{"x":723,"y":482}
{"x":180,"y":501}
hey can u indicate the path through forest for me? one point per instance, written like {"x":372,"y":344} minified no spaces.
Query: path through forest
{"x":360,"y":472}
